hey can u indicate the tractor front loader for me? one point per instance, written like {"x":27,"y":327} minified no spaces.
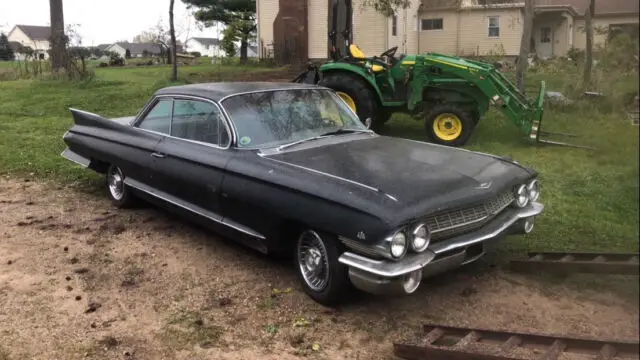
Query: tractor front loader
{"x":450,"y":94}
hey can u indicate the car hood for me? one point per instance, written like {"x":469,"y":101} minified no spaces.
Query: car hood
{"x":416,"y":176}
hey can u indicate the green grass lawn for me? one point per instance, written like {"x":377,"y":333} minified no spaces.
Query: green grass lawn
{"x":591,"y":197}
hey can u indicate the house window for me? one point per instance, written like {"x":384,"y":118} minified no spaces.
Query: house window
{"x":394,"y":25}
{"x":432,"y":24}
{"x":545,"y":35}
{"x":494,"y":26}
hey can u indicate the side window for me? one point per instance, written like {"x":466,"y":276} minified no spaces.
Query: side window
{"x":159,"y":118}
{"x":199,"y":121}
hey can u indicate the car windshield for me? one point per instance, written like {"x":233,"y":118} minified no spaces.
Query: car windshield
{"x":285,"y":117}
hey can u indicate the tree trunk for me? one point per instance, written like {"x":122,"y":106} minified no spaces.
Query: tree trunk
{"x":589,"y":51}
{"x":525,"y":45}
{"x":172,"y":32}
{"x":58,"y":58}
{"x":244,"y":43}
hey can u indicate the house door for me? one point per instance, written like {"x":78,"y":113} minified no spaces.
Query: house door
{"x":545,"y":42}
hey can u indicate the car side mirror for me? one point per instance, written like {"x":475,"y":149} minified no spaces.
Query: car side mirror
{"x":367,"y":123}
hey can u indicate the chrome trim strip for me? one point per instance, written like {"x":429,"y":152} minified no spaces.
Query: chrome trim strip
{"x":271,"y":90}
{"x":385,"y":268}
{"x":136,"y":121}
{"x":191,"y":207}
{"x":412,"y":262}
{"x":322,"y":173}
{"x":74,"y":157}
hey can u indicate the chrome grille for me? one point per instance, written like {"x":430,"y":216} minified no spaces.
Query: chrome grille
{"x":451,"y":223}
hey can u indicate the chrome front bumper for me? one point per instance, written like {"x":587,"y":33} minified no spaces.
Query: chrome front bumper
{"x":385,"y":276}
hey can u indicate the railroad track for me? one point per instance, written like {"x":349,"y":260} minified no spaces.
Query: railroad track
{"x":459,"y":343}
{"x":579,"y":262}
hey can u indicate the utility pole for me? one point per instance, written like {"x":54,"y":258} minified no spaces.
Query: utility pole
{"x":174,"y":47}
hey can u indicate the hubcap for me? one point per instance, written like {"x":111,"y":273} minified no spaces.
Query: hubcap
{"x":115,"y":180}
{"x":447,"y":126}
{"x":312,"y":259}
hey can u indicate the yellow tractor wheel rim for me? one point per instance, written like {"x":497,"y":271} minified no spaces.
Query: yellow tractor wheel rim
{"x":447,"y":126}
{"x":347,"y":99}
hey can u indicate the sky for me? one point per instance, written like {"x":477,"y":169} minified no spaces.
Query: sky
{"x":104,"y":21}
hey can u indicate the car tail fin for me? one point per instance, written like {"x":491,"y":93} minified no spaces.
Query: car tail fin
{"x":85,"y":118}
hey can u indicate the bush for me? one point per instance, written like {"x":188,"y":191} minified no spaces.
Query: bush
{"x":196,"y":54}
{"x":575,"y":54}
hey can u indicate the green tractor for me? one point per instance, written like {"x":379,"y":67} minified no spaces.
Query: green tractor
{"x":449,"y":93}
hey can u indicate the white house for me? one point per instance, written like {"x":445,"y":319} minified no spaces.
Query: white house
{"x":35,"y":37}
{"x":205,"y":46}
{"x":136,"y":49}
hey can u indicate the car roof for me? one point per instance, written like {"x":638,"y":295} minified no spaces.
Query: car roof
{"x":219,"y":90}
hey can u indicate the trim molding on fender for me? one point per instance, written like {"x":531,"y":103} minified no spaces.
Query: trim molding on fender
{"x":412,"y":262}
{"x":74,"y":157}
{"x":191,"y":207}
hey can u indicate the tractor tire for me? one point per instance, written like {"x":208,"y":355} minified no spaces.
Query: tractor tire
{"x":449,"y":125}
{"x":363,"y":97}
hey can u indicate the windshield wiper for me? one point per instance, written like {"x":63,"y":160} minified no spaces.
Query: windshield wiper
{"x":345,"y":131}
{"x":330,"y":133}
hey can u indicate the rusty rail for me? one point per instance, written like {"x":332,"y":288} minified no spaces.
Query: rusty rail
{"x":580,"y":262}
{"x":459,"y":343}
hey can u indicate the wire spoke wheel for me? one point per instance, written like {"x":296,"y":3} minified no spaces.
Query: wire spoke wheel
{"x":115,"y":181}
{"x":313,"y":260}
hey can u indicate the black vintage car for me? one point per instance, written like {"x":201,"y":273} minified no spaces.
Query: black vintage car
{"x":290,"y":169}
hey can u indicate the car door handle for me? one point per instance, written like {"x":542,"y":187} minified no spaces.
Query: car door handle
{"x":158,"y":155}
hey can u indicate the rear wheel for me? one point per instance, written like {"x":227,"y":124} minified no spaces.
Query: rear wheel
{"x":449,"y":125}
{"x":356,"y":94}
{"x":118,"y":192}
{"x":322,"y":276}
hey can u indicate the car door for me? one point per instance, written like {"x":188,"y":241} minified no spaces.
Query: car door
{"x":150,"y":128}
{"x":189,"y":164}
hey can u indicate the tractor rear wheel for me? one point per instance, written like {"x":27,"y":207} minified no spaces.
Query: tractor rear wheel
{"x":357,"y":94}
{"x":449,"y":125}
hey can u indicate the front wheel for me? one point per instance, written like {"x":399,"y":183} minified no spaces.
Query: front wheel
{"x":448,"y":125}
{"x":323,"y":278}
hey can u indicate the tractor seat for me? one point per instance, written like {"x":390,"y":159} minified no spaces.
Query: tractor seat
{"x":356,"y":53}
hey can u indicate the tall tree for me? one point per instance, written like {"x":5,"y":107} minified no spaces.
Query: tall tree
{"x":239,"y":13}
{"x":174,"y":47}
{"x":387,"y":7}
{"x":58,"y":42}
{"x":6,"y":52}
{"x":525,"y":45}
{"x":229,"y":37}
{"x":591,"y":10}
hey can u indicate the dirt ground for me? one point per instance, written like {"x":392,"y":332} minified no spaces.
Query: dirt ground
{"x":82,"y":280}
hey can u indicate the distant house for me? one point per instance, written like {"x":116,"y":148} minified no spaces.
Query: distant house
{"x":139,"y":49}
{"x":34,"y":37}
{"x":136,"y":49}
{"x":205,"y":46}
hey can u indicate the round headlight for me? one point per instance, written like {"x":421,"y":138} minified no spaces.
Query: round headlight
{"x":522,"y":196}
{"x":533,"y":190}
{"x":398,"y":245}
{"x":421,"y":238}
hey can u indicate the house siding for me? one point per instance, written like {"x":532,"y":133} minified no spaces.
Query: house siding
{"x":318,"y":16}
{"x":39,"y":46}
{"x":474,"y":36}
{"x":193,"y":45}
{"x":267,"y":12}
{"x":441,"y":41}
{"x":580,"y":37}
{"x":369,"y":29}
